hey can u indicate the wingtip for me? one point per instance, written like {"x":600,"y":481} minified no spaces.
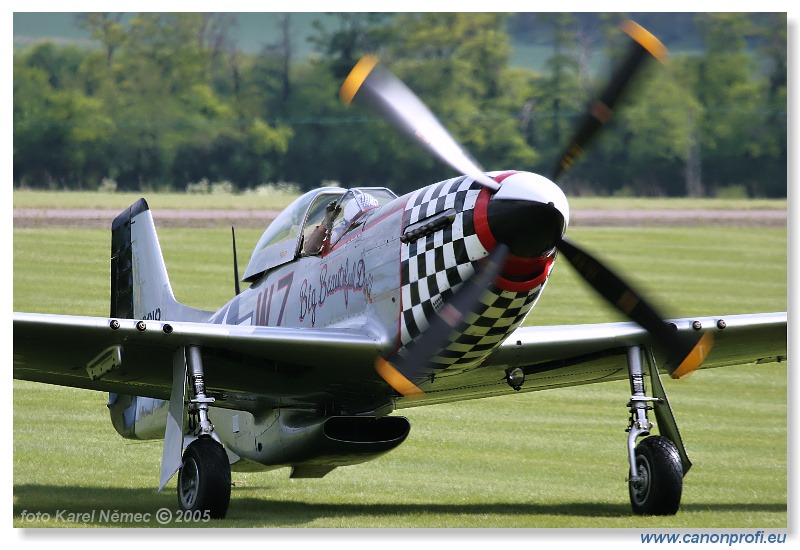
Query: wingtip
{"x":356,"y":78}
{"x":646,"y":40}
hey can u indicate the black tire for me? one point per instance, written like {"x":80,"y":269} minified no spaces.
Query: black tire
{"x":658,"y":464}
{"x":204,"y":480}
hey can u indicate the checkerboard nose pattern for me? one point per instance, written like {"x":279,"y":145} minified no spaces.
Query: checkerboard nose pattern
{"x":434,"y":266}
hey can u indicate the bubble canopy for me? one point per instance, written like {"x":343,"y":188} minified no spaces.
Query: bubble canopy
{"x":282,"y":240}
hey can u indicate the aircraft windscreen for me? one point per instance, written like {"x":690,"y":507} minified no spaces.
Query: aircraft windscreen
{"x":281,"y":240}
{"x":288,"y":223}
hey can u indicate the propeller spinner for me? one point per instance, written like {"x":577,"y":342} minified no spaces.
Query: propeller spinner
{"x":532,"y":201}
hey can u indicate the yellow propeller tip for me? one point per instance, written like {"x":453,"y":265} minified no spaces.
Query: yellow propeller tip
{"x":356,"y":78}
{"x":392,"y":376}
{"x":646,"y":40}
{"x":695,"y":357}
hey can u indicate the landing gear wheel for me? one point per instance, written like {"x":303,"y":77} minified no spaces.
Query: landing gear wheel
{"x":658,"y":490}
{"x":204,"y":480}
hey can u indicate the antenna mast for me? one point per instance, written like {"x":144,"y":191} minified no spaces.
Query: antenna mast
{"x":235,"y":264}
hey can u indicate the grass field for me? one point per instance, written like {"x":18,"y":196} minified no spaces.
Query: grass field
{"x":548,"y":459}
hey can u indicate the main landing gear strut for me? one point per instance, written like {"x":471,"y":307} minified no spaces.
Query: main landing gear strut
{"x":204,"y":479}
{"x":657,"y":463}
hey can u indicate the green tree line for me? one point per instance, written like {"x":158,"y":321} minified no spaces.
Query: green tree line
{"x":167,"y":100}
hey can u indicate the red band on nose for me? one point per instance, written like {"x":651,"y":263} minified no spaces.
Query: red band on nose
{"x":519,"y":274}
{"x":481,"y":220}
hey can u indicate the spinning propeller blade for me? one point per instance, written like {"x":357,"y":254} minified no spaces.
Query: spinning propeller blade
{"x":403,"y":373}
{"x":388,"y":95}
{"x":600,"y":112}
{"x":684,"y":354}
{"x":379,"y":88}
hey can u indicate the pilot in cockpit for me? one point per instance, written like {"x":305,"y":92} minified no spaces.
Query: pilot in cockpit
{"x":327,"y":233}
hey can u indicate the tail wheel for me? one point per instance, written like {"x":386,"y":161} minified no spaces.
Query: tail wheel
{"x":204,"y":480}
{"x":657,"y":491}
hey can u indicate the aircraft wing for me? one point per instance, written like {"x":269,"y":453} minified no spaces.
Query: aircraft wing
{"x":571,"y":355}
{"x":245,"y":366}
{"x":251,"y":368}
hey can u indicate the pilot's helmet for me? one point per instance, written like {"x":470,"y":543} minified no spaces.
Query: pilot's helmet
{"x":360,"y":202}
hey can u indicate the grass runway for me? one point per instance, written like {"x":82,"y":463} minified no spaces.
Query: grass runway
{"x":546,"y":459}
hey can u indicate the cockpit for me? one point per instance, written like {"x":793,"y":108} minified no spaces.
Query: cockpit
{"x":331,"y":211}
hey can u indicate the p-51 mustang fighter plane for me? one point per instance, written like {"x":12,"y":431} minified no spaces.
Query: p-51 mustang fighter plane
{"x":362,"y":302}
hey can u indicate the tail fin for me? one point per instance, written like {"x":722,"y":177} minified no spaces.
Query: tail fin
{"x":140,"y":287}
